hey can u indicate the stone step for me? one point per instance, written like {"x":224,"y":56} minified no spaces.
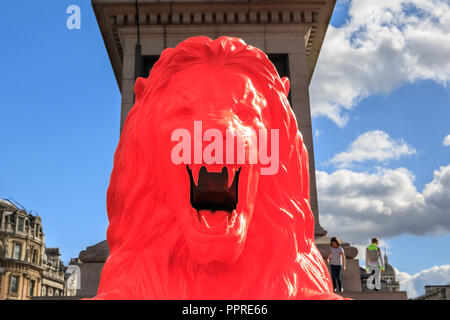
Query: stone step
{"x":375,"y":295}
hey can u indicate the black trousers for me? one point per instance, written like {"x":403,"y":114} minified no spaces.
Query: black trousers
{"x":336,"y":276}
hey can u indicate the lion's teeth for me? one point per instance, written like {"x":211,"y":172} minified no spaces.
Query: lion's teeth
{"x":232,"y":221}
{"x":226,"y":222}
{"x":195,"y":174}
{"x":204,"y":223}
{"x":231,"y":174}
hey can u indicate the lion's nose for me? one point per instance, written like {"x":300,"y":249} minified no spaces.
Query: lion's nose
{"x":222,"y":121}
{"x":229,"y":127}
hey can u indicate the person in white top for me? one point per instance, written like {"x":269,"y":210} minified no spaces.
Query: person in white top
{"x":337,"y":259}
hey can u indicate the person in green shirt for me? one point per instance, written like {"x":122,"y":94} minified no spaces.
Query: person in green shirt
{"x":374,"y":262}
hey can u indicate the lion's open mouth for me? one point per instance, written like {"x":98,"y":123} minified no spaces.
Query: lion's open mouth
{"x":214,"y":196}
{"x":214,"y":191}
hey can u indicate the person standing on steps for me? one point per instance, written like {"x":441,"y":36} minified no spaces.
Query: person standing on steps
{"x":374,"y":264}
{"x":336,"y":259}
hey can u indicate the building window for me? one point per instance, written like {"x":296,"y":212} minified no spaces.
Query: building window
{"x":17,"y":251}
{"x":148,"y":63}
{"x":14,"y":284}
{"x":37,"y":230}
{"x":34,"y":257}
{"x":281,"y":63}
{"x":31,"y":288}
{"x":20,"y":224}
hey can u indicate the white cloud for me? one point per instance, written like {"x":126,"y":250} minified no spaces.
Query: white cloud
{"x":384,"y":45}
{"x":317,"y":132}
{"x":446,"y":141}
{"x":414,"y":284}
{"x":385,"y":204}
{"x":372,"y":145}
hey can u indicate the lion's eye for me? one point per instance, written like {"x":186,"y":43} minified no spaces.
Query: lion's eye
{"x":184,"y":111}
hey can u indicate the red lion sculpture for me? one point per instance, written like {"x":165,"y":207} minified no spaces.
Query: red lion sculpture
{"x":167,"y":239}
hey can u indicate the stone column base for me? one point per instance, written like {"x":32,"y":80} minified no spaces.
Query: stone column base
{"x":375,"y":295}
{"x":319,"y":231}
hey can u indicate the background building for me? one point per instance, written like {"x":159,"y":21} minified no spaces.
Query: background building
{"x":27,"y":268}
{"x":435,"y":293}
{"x":53,"y":277}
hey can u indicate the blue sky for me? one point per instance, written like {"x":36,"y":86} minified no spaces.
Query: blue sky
{"x":60,"y":115}
{"x":390,"y":90}
{"x":419,"y":114}
{"x":60,"y":121}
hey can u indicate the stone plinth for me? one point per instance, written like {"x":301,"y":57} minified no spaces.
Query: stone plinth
{"x":90,"y":278}
{"x":375,"y":295}
{"x":96,"y":253}
{"x":351,"y":276}
{"x":90,"y":262}
{"x":91,"y":265}
{"x":295,"y":28}
{"x":62,"y":298}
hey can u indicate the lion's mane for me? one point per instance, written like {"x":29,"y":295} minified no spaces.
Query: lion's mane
{"x":149,"y":257}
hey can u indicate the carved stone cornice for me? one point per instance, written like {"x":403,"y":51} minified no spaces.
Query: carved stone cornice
{"x":19,"y":265}
{"x":113,"y":15}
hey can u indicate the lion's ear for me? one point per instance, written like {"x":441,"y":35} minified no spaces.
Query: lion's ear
{"x":139,"y":86}
{"x":287,"y":85}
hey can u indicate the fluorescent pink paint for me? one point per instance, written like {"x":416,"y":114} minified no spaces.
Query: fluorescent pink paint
{"x":211,"y":231}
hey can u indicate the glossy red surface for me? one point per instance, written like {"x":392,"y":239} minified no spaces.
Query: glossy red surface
{"x":159,"y":245}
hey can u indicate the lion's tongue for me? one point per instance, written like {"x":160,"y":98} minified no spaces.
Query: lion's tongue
{"x":216,"y":221}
